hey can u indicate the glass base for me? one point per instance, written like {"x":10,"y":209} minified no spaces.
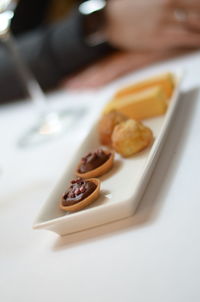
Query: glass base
{"x":49,"y":126}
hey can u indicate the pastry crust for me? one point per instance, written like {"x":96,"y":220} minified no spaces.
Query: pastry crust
{"x":107,"y":124}
{"x":105,"y":167}
{"x":85,"y":202}
{"x":131,"y":137}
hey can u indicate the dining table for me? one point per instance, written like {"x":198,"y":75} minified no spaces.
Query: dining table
{"x":150,"y":256}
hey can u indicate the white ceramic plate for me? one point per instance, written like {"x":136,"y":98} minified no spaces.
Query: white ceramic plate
{"x":121,"y":188}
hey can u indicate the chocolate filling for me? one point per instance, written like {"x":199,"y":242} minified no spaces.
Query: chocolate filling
{"x":93,"y":160}
{"x":79,"y":190}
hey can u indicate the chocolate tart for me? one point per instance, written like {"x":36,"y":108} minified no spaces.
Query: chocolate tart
{"x":84,"y":202}
{"x":100,"y":170}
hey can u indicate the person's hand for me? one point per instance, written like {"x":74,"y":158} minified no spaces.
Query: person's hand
{"x":153,"y":24}
{"x":112,"y":67}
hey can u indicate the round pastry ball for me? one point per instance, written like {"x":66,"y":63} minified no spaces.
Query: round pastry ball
{"x":107,"y":124}
{"x":130,"y":137}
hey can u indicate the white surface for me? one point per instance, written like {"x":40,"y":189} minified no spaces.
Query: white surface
{"x":121,"y":188}
{"x":152,"y":256}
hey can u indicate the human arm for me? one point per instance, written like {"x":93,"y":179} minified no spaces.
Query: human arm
{"x":148,"y":32}
{"x":114,"y":66}
{"x":154,"y":24}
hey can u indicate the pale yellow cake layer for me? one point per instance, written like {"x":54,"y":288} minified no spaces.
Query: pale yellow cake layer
{"x":149,"y":103}
{"x":166,"y":81}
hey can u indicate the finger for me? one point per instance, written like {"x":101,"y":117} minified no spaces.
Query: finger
{"x":171,"y":39}
{"x":185,"y":12}
{"x":190,"y":19}
{"x":181,"y":18}
{"x":185,"y":4}
{"x":180,"y":37}
{"x":193,"y":21}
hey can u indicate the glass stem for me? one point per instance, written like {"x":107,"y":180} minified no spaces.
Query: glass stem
{"x":31,"y":86}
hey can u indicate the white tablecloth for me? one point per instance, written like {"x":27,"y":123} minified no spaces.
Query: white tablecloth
{"x":152,"y":256}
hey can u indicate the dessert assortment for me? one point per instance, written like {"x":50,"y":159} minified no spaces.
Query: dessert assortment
{"x":121,"y":129}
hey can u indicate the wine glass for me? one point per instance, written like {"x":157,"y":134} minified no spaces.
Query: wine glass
{"x":50,"y":122}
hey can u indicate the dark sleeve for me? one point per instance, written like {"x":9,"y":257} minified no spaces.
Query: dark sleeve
{"x":51,"y":53}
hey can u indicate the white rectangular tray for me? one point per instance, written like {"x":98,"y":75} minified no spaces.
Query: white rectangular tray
{"x":121,"y":188}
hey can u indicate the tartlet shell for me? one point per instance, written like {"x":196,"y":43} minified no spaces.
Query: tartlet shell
{"x":99,"y":171}
{"x":85,"y":202}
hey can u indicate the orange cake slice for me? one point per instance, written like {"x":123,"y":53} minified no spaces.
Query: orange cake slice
{"x":166,"y":81}
{"x":149,"y":103}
